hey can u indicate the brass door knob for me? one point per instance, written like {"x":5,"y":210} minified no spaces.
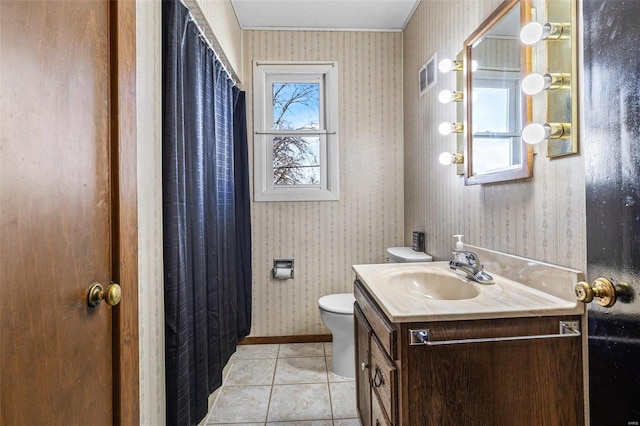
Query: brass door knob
{"x":602,"y":290}
{"x":97,"y":294}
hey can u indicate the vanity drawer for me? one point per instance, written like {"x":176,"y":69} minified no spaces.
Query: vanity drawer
{"x":382,"y":328}
{"x":383,"y":379}
{"x":378,"y":417}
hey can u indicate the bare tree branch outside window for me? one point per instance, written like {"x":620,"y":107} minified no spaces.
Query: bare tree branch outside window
{"x":296,"y":106}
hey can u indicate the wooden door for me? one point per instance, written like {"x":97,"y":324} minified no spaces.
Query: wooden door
{"x":610,"y":142}
{"x":66,"y":214}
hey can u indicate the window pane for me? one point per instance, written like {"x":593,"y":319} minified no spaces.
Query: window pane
{"x":491,"y":110}
{"x":492,"y":154}
{"x":296,"y":106}
{"x":296,"y":160}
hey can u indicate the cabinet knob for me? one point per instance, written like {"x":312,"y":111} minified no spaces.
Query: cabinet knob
{"x":364,"y":366}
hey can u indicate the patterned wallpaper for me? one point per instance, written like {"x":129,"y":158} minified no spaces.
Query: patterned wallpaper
{"x":218,"y":20}
{"x":541,"y":218}
{"x":326,"y":238}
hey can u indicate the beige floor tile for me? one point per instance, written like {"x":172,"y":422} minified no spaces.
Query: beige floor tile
{"x":289,"y":350}
{"x":251,"y":372}
{"x":346,"y":422}
{"x":238,"y":404}
{"x":301,"y":370}
{"x":299,"y":402}
{"x":328,"y":346}
{"x":236,"y":424}
{"x":343,"y":400}
{"x":305,"y":391}
{"x":256,"y":351}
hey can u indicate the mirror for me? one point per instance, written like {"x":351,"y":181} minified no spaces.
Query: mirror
{"x":496,"y":109}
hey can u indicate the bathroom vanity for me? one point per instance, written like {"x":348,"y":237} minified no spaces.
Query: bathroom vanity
{"x":436,"y":354}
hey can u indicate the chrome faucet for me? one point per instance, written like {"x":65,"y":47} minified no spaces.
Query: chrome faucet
{"x":467,"y":263}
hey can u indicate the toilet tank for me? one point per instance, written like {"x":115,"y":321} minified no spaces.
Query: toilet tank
{"x":405,"y":255}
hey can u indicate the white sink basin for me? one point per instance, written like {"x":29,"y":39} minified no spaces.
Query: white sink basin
{"x":431,"y":291}
{"x":432,"y":285}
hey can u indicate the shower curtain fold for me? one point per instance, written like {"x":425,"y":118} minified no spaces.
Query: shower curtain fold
{"x":207,"y":252}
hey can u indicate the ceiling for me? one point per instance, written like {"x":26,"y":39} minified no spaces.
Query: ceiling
{"x":347,"y":15}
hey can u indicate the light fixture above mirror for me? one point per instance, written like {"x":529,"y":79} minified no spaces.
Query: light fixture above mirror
{"x":553,"y":94}
{"x":536,"y":83}
{"x":447,"y":158}
{"x":447,"y":65}
{"x":447,"y":96}
{"x":534,"y":32}
{"x":447,"y":128}
{"x":535,"y":133}
{"x":455,"y":97}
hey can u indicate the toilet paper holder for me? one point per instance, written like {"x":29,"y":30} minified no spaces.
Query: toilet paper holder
{"x":282,"y":269}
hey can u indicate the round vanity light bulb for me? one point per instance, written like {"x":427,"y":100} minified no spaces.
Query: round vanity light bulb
{"x":533,"y":84}
{"x":531,"y":33}
{"x":445,"y":128}
{"x":445,"y":96}
{"x":446,"y":158}
{"x":445,"y":65}
{"x":534,"y":133}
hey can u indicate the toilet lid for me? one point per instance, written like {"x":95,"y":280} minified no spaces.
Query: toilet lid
{"x":341,"y":303}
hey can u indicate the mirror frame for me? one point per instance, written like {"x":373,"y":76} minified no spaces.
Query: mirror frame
{"x":526,"y":169}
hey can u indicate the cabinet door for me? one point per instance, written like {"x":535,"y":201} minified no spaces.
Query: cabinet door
{"x":363,"y":377}
{"x":535,"y":381}
{"x":378,"y":417}
{"x":383,"y":379}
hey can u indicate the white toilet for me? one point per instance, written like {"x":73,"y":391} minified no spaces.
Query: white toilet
{"x":336,"y":311}
{"x":405,"y":255}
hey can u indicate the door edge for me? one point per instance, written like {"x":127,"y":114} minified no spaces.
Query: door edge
{"x":126,"y":386}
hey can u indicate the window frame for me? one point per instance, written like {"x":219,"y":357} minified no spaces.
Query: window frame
{"x":264,"y":75}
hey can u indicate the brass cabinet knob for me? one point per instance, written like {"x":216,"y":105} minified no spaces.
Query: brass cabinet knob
{"x":97,"y":294}
{"x":602,"y":290}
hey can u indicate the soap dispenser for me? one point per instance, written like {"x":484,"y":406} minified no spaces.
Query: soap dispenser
{"x":459,"y":243}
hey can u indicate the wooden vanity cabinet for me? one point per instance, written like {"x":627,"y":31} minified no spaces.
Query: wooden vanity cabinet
{"x":532,"y":381}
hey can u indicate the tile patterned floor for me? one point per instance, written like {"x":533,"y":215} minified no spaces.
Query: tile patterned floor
{"x":284,"y":385}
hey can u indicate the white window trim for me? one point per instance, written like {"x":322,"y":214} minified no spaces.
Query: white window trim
{"x":264,"y":189}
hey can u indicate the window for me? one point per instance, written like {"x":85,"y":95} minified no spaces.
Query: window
{"x":496,"y":124}
{"x":295,"y":131}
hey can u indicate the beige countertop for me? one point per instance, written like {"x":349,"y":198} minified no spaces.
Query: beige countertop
{"x":503,"y":299}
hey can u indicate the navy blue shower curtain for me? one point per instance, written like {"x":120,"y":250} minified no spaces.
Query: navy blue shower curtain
{"x":243,"y":212}
{"x":207,"y":246}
